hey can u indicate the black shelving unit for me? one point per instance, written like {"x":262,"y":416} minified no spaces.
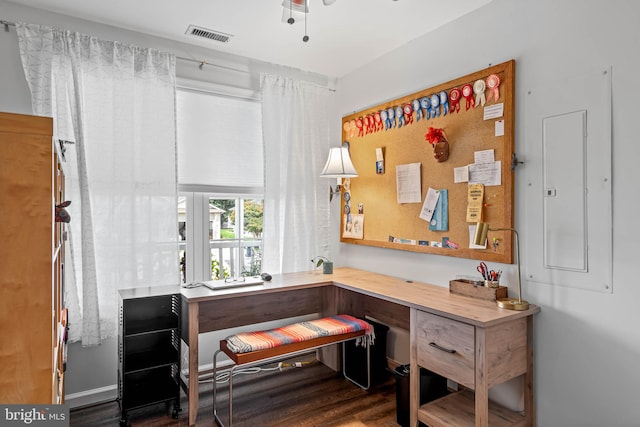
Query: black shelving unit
{"x":149,"y":351}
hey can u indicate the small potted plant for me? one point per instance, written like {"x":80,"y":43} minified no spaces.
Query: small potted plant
{"x":327,"y":265}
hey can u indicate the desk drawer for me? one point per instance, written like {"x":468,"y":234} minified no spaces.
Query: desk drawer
{"x":446,"y":347}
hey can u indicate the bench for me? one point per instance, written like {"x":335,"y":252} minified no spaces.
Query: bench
{"x":252,"y":349}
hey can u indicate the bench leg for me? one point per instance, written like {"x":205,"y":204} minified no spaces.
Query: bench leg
{"x":231,"y":395}
{"x":215,"y":391}
{"x":344,"y":365}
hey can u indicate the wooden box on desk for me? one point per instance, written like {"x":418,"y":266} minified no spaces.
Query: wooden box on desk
{"x":477,"y":291}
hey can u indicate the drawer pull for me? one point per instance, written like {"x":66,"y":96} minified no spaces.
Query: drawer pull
{"x":448,"y":350}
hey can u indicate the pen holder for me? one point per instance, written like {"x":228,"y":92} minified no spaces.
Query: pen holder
{"x":491,"y":284}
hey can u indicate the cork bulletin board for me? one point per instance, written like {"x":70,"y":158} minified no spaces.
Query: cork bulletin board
{"x":370,"y":201}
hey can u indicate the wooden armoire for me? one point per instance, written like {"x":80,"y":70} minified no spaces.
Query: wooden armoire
{"x":33,"y":321}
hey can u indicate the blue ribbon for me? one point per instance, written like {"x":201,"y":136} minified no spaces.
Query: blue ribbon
{"x":416,"y":107}
{"x":444,"y":101}
{"x":400,"y":116}
{"x":426,"y":106}
{"x":392,"y":113}
{"x":385,"y":119}
{"x":435,"y":105}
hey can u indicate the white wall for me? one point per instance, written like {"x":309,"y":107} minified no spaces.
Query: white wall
{"x":587,"y":344}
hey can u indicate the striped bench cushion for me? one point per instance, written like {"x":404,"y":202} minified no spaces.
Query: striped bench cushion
{"x":303,"y":331}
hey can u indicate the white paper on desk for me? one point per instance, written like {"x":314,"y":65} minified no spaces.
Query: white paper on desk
{"x":483,"y":156}
{"x":486,"y":173}
{"x":429,"y":204}
{"x":472,"y":233}
{"x":461,"y":174}
{"x":408,"y":183}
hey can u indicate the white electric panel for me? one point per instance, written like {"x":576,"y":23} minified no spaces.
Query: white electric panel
{"x":564,"y":189}
{"x":568,"y":189}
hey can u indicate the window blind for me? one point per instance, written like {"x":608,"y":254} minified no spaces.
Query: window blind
{"x":219,"y":142}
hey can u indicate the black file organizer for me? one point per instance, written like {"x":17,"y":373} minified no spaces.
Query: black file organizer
{"x":149,"y":353}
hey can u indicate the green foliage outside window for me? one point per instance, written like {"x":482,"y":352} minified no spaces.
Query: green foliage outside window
{"x":215,"y":270}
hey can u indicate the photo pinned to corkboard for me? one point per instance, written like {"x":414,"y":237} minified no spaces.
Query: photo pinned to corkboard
{"x":435,"y":144}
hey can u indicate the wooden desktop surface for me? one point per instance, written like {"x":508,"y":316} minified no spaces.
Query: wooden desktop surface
{"x":411,"y":294}
{"x":357,"y":292}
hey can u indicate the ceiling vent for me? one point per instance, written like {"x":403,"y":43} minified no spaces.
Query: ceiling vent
{"x":208,"y":34}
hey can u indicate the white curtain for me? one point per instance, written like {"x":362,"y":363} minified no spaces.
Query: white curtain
{"x":116,"y":102}
{"x":296,"y":126}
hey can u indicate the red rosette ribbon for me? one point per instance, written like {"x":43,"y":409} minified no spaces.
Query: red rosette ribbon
{"x":493,"y":83}
{"x":467,"y":92}
{"x":367,"y":124}
{"x":408,"y":113}
{"x":359,"y":125}
{"x":434,"y":135}
{"x":378,"y":121}
{"x":454,"y":98}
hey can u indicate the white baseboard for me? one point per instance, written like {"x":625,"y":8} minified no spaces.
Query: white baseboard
{"x":92,"y":397}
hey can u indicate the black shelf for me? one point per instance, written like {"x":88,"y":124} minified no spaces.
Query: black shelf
{"x":150,"y":314}
{"x":144,"y":326}
{"x":157,"y":356}
{"x":150,"y":387}
{"x":149,"y":346}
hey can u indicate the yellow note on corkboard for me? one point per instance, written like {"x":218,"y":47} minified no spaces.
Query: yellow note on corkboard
{"x":475,"y":197}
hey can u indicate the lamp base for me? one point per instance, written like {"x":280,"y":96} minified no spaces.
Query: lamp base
{"x":512,"y":304}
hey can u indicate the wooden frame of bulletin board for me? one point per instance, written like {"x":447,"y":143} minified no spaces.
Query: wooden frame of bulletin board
{"x":470,"y":130}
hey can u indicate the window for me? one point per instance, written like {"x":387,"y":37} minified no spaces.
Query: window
{"x":220,"y":177}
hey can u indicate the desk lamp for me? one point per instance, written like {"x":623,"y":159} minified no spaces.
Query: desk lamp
{"x":480,"y":238}
{"x":338,"y":166}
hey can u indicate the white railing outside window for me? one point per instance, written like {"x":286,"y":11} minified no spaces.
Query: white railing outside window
{"x":220,"y":236}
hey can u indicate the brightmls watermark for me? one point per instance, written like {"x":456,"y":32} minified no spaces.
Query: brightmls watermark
{"x":34,"y":415}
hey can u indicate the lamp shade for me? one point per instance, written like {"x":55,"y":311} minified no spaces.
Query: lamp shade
{"x":339,"y":164}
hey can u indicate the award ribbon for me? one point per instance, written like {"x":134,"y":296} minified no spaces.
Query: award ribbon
{"x":408,"y":113}
{"x":378,"y":120}
{"x":359,"y":125}
{"x":435,"y":105}
{"x":467,"y":92}
{"x":371,"y":124}
{"x":353,"y":129}
{"x":392,"y":114}
{"x":444,"y":101}
{"x":347,"y":129}
{"x":493,"y":83}
{"x":366,"y":124}
{"x":478,"y":89}
{"x":385,"y":119}
{"x":426,"y":106}
{"x":416,"y":107}
{"x":400,"y":116}
{"x":454,"y":97}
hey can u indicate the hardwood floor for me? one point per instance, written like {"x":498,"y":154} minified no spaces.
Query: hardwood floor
{"x":310,"y":396}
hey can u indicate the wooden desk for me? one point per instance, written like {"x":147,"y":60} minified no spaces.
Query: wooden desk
{"x":390,"y":300}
